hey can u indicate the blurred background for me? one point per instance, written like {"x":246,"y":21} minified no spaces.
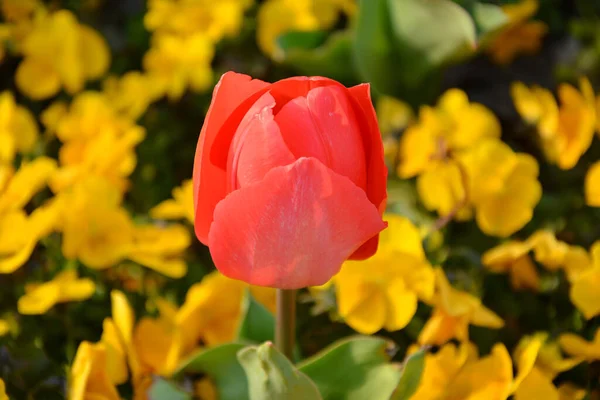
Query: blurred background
{"x":101,"y":104}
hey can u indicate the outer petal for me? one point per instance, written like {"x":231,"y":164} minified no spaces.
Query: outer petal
{"x":376,"y":169}
{"x":209,"y":179}
{"x":293,"y":229}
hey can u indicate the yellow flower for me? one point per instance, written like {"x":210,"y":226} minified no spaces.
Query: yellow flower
{"x":513,"y":257}
{"x":454,"y":310}
{"x":216,"y":20}
{"x":17,"y":10}
{"x":393,"y":116}
{"x":180,"y":207}
{"x":579,"y":347}
{"x":537,"y":106}
{"x":204,"y":389}
{"x":60,"y":52}
{"x":503,"y":187}
{"x":131,"y":94}
{"x":18,"y":129}
{"x":584,"y":292}
{"x":174,"y":63}
{"x":592,"y":185}
{"x":160,"y":248}
{"x":3,"y":395}
{"x":458,"y":373}
{"x":4,"y":327}
{"x":19,"y":232}
{"x":454,"y":125}
{"x":520,"y":36}
{"x":566,"y":132}
{"x":382,"y":292}
{"x":65,"y":287}
{"x":89,"y":376}
{"x":277,"y":17}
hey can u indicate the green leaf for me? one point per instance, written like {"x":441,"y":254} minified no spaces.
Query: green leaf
{"x":309,"y":54}
{"x":221,"y":364}
{"x":488,"y":18}
{"x":401,"y":45}
{"x":411,"y":376}
{"x":356,"y":368}
{"x":258,"y":324}
{"x":271,"y":376}
{"x":165,"y":390}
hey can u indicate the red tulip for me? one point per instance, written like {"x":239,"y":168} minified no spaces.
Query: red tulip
{"x":289,"y":179}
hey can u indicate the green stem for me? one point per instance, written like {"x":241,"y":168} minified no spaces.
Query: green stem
{"x":285,"y":322}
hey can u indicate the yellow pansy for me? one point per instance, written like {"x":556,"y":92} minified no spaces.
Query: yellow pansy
{"x":131,"y":94}
{"x":454,"y":125}
{"x":503,"y":187}
{"x":65,"y":287}
{"x":4,"y":327}
{"x":96,"y":229}
{"x":60,"y":52}
{"x":513,"y":257}
{"x":181,"y":206}
{"x":537,"y":106}
{"x":579,"y":347}
{"x":592,"y":185}
{"x":213,"y":19}
{"x":454,"y":310}
{"x":519,"y":36}
{"x":584,"y":291}
{"x":175,"y":63}
{"x":18,"y":129}
{"x":457,"y":372}
{"x":566,"y":132}
{"x":19,"y":232}
{"x":88,"y":378}
{"x":3,"y":395}
{"x":382,"y":291}
{"x":160,"y":248}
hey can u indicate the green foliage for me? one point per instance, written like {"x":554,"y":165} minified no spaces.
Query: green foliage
{"x":257,"y":324}
{"x":412,"y":371}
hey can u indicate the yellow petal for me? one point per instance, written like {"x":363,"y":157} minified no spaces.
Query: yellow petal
{"x":401,"y":305}
{"x":401,"y":236}
{"x":4,"y":327}
{"x":526,"y":357}
{"x":525,"y":101}
{"x":78,"y":290}
{"x":89,"y":378}
{"x":524,"y":275}
{"x":442,"y":327}
{"x":568,"y":391}
{"x":579,"y":347}
{"x":25,"y":127}
{"x":28,"y":180}
{"x":37,"y":79}
{"x":483,"y":316}
{"x":416,"y":147}
{"x":153,"y":339}
{"x":171,"y":267}
{"x":592,"y":185}
{"x":441,"y":187}
{"x":39,"y":300}
{"x":369,"y":315}
{"x":536,"y":386}
{"x":393,"y":115}
{"x":123,"y":315}
{"x":584,"y":292}
{"x":95,"y":54}
{"x":116,"y":352}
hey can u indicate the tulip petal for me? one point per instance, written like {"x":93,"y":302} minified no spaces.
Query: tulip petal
{"x":328,"y":131}
{"x":209,"y":179}
{"x":257,"y":146}
{"x":293,"y":229}
{"x":375,"y":161}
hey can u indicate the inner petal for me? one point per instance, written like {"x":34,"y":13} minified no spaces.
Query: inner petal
{"x":322,"y":125}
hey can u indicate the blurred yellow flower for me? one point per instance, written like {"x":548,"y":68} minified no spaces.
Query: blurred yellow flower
{"x":18,"y":128}
{"x":175,"y":63}
{"x":277,"y":17}
{"x":579,"y":347}
{"x":215,"y":19}
{"x":565,"y":132}
{"x":131,"y":94}
{"x":205,"y":389}
{"x":17,"y":10}
{"x":60,"y":52}
{"x":519,"y":36}
{"x":454,"y":310}
{"x":382,"y":291}
{"x":455,"y":124}
{"x":592,"y":185}
{"x":3,"y":395}
{"x":160,"y":248}
{"x":503,"y":187}
{"x":584,"y":291}
{"x":89,"y":376}
{"x":19,"y":232}
{"x":96,"y":229}
{"x":458,"y":373}
{"x":181,"y":206}
{"x":393,"y":116}
{"x":63,"y":288}
{"x":4,"y":327}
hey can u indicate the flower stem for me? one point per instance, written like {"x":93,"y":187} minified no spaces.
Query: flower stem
{"x":285,"y":321}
